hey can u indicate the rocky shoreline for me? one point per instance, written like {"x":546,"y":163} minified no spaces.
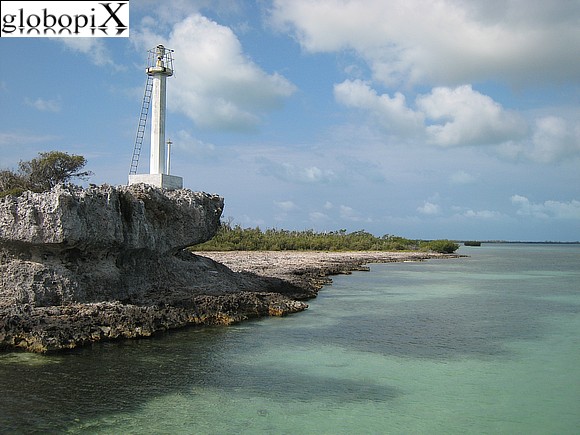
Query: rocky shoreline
{"x":82,"y":265}
{"x":230,"y":288}
{"x":310,"y":270}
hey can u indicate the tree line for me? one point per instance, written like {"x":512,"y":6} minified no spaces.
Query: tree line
{"x":236,"y":238}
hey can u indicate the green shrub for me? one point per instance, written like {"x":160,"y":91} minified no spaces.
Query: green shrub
{"x":443,"y":246}
{"x":42,"y":173}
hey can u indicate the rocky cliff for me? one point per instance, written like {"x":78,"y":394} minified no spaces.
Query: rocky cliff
{"x":80,"y":265}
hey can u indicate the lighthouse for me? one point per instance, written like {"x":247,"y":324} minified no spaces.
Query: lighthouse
{"x":159,"y":67}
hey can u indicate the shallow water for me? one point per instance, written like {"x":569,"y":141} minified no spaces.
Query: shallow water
{"x":484,"y":344}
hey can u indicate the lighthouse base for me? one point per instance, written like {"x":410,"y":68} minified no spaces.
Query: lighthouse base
{"x":164,"y":181}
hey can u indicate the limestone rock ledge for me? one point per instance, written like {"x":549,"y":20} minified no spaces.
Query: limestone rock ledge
{"x":81,"y":265}
{"x":49,"y":329}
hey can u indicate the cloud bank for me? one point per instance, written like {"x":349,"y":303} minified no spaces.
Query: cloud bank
{"x":446,"y":117}
{"x":456,"y":42}
{"x":548,"y":209}
{"x":433,"y":55}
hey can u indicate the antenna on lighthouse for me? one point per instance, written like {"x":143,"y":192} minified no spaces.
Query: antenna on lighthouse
{"x":169,"y":143}
{"x":159,"y":67}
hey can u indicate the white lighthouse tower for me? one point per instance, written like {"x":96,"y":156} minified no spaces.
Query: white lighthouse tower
{"x":159,"y":67}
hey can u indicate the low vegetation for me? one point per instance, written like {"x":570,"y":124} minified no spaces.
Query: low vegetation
{"x":236,"y":238}
{"x":42,"y":173}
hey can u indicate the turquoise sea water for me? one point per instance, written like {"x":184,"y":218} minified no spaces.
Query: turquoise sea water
{"x":488,"y":344}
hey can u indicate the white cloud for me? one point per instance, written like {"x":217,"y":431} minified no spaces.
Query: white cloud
{"x":391,"y":113}
{"x":313,"y":174}
{"x":455,"y":116}
{"x":215,"y":83}
{"x":284,"y":209}
{"x":481,"y":214}
{"x":184,"y":141}
{"x":286,"y":205}
{"x":554,"y":140}
{"x":445,"y":42}
{"x":44,"y":105}
{"x":463,"y":116}
{"x":350,"y":214}
{"x":428,"y":208}
{"x":547,"y":209}
{"x":296,"y":174}
{"x":94,"y":48}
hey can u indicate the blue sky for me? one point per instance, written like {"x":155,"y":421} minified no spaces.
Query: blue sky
{"x":424,"y":119}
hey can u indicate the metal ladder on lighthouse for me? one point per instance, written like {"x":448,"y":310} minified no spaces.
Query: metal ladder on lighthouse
{"x":142,"y":124}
